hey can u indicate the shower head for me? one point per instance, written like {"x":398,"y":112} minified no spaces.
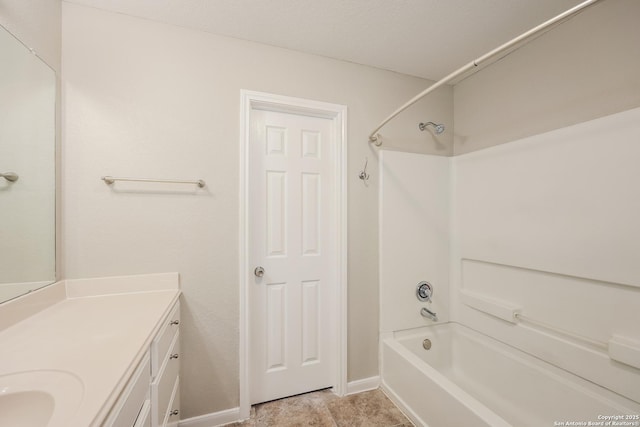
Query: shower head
{"x":439,"y":128}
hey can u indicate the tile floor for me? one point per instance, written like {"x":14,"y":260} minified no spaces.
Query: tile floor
{"x":325,"y":409}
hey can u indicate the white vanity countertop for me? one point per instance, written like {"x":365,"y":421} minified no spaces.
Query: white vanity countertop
{"x":99,"y":339}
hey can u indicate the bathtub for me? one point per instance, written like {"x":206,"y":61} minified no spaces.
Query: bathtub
{"x":469,"y":379}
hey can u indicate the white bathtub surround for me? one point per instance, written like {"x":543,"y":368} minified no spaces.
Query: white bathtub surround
{"x":548,"y":226}
{"x":467,"y":378}
{"x":414,"y":237}
{"x":564,"y":201}
{"x":97,"y":339}
{"x":544,"y":244}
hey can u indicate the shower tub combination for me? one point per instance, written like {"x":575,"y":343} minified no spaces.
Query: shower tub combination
{"x":468,"y":379}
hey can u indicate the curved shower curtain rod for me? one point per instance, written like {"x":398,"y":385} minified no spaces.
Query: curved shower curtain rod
{"x":375,"y":138}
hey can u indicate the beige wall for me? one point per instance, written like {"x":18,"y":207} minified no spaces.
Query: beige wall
{"x":149,"y":99}
{"x":583,"y":69}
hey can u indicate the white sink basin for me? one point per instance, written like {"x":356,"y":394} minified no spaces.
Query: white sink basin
{"x":39,"y":398}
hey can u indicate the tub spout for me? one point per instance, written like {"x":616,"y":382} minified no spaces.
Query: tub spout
{"x":425,"y":312}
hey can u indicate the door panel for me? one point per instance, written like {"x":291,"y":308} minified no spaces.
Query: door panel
{"x":276,"y":326}
{"x":311,"y":214}
{"x":292,"y":235}
{"x":276,"y":220}
{"x":310,"y":322}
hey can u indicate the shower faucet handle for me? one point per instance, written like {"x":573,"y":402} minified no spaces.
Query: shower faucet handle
{"x":424,"y":291}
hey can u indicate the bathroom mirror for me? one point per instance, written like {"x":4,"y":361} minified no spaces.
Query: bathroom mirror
{"x":27,"y":169}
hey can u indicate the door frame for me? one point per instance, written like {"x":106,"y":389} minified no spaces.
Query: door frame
{"x":249,"y":101}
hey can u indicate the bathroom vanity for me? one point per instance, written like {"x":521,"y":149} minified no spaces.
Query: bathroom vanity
{"x":94,"y":352}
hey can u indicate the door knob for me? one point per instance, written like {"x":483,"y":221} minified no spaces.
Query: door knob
{"x":259,"y":271}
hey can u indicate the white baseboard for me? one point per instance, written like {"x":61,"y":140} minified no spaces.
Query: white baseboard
{"x":214,"y":419}
{"x":364,"y":384}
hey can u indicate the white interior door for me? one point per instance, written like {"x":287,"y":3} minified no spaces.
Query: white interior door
{"x":292,"y":238}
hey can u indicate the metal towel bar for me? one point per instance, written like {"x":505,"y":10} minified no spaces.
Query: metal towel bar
{"x":111,"y":179}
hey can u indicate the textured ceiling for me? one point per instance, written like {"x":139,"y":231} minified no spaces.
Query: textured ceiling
{"x":425,"y":38}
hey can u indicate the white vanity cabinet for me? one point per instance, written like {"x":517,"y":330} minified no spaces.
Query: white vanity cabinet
{"x":165,"y":366}
{"x":151,"y":398}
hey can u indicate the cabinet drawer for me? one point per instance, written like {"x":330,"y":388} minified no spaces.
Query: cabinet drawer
{"x":162,"y":386}
{"x":172,"y":417}
{"x":132,"y":399}
{"x":162,"y":342}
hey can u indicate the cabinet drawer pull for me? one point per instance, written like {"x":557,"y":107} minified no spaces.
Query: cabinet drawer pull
{"x":174,"y":322}
{"x":173,"y":356}
{"x":174,"y":412}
